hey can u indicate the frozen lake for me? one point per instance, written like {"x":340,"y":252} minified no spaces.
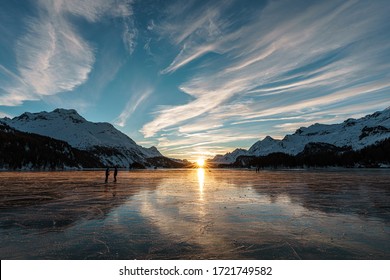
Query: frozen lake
{"x":196,"y":214}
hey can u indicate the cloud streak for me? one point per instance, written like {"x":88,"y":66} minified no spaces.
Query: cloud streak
{"x":199,"y":34}
{"x":52,"y":56}
{"x":209,"y":75}
{"x":290,"y":58}
{"x":135,"y":101}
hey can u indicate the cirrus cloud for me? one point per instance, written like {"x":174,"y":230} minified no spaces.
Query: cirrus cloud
{"x":52,"y":56}
{"x":290,"y":59}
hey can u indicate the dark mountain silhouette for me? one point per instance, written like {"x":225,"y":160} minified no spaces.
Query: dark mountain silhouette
{"x":21,"y":150}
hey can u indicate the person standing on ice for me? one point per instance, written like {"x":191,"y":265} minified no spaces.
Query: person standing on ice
{"x":115,"y":173}
{"x":107,"y":174}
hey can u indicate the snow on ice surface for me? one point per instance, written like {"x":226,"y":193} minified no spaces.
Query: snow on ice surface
{"x":195,"y":214}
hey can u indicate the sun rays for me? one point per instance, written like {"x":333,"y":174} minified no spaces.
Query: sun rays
{"x":200,"y":162}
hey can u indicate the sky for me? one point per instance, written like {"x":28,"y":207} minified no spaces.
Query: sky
{"x":196,"y":78}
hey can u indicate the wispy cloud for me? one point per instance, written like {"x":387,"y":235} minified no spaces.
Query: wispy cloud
{"x":52,"y":56}
{"x":187,"y":55}
{"x":136,"y":100}
{"x":176,"y":115}
{"x":13,"y":89}
{"x":200,"y":22}
{"x":201,"y":143}
{"x":197,"y":34}
{"x":95,"y":10}
{"x":290,"y":59}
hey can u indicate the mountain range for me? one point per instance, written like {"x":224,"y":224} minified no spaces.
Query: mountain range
{"x":63,"y":139}
{"x":101,"y":141}
{"x":352,"y":134}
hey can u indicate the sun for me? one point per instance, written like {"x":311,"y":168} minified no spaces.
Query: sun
{"x":200,"y":162}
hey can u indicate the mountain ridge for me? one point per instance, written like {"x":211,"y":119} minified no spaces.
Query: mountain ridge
{"x":354,"y":133}
{"x":101,"y":139}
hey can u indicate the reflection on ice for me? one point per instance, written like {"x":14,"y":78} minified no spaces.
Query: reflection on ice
{"x":186,"y":214}
{"x":201,"y":181}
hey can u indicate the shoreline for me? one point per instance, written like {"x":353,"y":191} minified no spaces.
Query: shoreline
{"x":252,"y":169}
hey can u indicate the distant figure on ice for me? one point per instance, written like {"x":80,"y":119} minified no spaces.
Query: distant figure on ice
{"x":115,"y":173}
{"x":107,"y":174}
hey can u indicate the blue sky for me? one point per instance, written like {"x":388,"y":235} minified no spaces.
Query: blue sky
{"x":196,"y":77}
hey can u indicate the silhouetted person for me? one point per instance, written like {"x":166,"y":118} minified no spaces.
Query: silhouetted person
{"x":115,"y":173}
{"x":107,"y":173}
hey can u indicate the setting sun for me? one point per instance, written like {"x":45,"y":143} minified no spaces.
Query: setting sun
{"x":200,"y":162}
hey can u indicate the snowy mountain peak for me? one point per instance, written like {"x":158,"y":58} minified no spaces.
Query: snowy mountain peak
{"x":69,"y":113}
{"x":66,"y":111}
{"x":230,"y":157}
{"x":353,"y":133}
{"x":57,"y":114}
{"x":69,"y":126}
{"x":268,"y":139}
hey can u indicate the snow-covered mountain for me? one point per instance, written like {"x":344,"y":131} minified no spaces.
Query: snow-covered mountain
{"x":103,"y":140}
{"x":354,"y":133}
{"x":230,"y":157}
